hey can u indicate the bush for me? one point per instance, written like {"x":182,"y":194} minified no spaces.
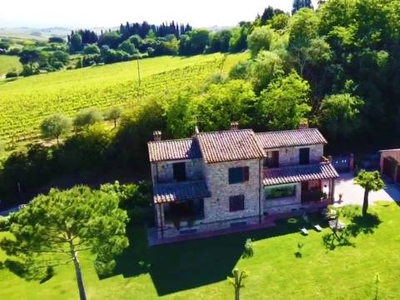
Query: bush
{"x":4,"y":223}
{"x":14,"y":51}
{"x":48,"y":274}
{"x":248,"y":249}
{"x":12,"y":74}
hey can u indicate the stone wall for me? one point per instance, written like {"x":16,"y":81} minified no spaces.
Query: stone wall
{"x":290,"y":156}
{"x":163,"y":172}
{"x":216,"y":208}
{"x":316,"y":152}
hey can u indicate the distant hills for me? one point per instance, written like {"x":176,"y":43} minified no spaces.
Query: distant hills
{"x":45,"y":33}
{"x":41,"y":33}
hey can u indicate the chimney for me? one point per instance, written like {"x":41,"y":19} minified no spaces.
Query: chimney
{"x":196,"y":129}
{"x":157,"y":135}
{"x":234,"y":125}
{"x":303,"y":124}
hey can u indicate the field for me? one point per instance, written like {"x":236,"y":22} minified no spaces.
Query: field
{"x":25,"y":102}
{"x":198,"y":269}
{"x":33,"y":33}
{"x":8,"y":64}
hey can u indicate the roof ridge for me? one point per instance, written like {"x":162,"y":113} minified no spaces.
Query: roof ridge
{"x":171,"y":140}
{"x":227,"y":130}
{"x":287,"y":130}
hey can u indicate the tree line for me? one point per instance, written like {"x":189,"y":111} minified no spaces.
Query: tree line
{"x":134,"y":41}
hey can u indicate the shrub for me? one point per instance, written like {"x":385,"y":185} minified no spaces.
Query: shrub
{"x":12,"y":74}
{"x":248,"y":249}
{"x":4,"y":223}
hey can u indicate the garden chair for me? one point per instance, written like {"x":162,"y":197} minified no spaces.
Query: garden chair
{"x":317,"y":227}
{"x":304,"y":231}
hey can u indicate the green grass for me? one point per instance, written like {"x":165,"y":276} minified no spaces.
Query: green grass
{"x":198,"y":269}
{"x":25,"y":102}
{"x":9,"y":63}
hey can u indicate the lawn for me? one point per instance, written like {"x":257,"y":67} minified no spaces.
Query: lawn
{"x":198,"y":269}
{"x":9,"y":63}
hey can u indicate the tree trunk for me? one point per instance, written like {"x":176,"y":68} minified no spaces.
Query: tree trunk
{"x":79,"y":278}
{"x":365,"y":203}
{"x":237,"y":295}
{"x":237,"y":284}
{"x":115,"y":123}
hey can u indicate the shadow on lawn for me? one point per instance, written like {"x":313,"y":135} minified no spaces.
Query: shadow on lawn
{"x":191,"y":264}
{"x":358,"y":224}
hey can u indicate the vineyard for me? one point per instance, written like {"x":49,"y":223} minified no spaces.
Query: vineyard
{"x":24,"y":103}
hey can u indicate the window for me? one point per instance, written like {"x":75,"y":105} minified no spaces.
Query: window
{"x":272,"y":159}
{"x":179,"y":170}
{"x":236,"y":203}
{"x":280,"y":191}
{"x":304,"y":156}
{"x":238,"y":175}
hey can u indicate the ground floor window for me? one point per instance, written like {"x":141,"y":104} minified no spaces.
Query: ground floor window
{"x":281,"y":191}
{"x":236,"y":203}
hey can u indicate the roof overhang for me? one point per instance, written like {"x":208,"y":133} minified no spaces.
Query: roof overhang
{"x":179,"y":191}
{"x":299,"y":174}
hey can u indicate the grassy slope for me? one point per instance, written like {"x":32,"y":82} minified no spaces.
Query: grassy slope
{"x":198,"y":269}
{"x":25,"y":102}
{"x":9,"y":63}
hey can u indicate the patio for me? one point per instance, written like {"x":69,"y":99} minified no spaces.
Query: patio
{"x":354,"y":194}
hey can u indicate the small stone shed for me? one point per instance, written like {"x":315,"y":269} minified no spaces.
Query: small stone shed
{"x":390,"y":164}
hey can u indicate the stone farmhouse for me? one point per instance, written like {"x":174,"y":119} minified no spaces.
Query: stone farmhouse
{"x":224,"y":179}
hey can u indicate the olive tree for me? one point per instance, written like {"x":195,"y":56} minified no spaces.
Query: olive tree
{"x":87,"y":117}
{"x":55,"y":126}
{"x":113,"y":114}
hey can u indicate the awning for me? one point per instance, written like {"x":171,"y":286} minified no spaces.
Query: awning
{"x":180,"y":191}
{"x":299,"y":173}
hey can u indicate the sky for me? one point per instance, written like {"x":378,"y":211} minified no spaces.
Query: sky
{"x":89,"y":14}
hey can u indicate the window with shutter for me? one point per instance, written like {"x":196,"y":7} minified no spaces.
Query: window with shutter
{"x":238,"y":175}
{"x":236,"y":203}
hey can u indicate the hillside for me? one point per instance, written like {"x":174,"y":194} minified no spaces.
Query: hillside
{"x":24,"y":103}
{"x":40,"y":34}
{"x":8,"y":64}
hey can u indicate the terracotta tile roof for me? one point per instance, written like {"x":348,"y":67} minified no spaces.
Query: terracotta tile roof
{"x":290,"y":138}
{"x":229,"y":145}
{"x":299,"y":173}
{"x":173,"y":150}
{"x":179,"y":191}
